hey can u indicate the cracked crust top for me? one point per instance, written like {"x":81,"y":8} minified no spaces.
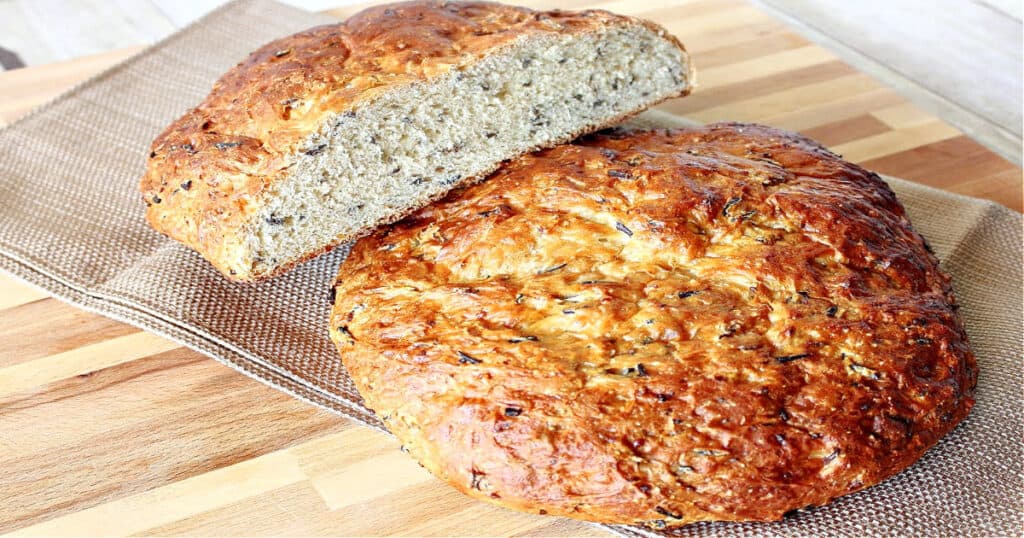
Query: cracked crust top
{"x":660,"y":327}
{"x":207,"y":170}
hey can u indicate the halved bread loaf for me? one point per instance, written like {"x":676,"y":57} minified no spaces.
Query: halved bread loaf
{"x":319,"y":137}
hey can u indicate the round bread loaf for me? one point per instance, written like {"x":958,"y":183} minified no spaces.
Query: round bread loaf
{"x":318,"y":137}
{"x":659,"y":327}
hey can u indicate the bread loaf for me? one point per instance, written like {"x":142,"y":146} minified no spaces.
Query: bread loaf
{"x":659,"y":327}
{"x":319,"y":137}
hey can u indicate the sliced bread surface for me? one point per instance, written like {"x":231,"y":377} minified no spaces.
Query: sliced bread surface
{"x":319,"y":137}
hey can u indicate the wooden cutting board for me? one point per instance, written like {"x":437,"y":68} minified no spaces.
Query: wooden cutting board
{"x":108,"y":430}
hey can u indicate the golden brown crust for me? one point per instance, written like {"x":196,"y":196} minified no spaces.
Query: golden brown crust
{"x":660,"y":327}
{"x":207,"y":170}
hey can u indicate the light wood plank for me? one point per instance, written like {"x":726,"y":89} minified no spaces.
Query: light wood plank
{"x":790,"y":100}
{"x":388,"y":472}
{"x":454,"y":523}
{"x":293,"y":510}
{"x":959,"y":165}
{"x":81,"y":361}
{"x":762,"y":66}
{"x":335,"y":500}
{"x":842,"y":108}
{"x":15,"y":293}
{"x":778,"y":83}
{"x":145,"y":424}
{"x":847,"y":130}
{"x":887,"y":143}
{"x":176,"y":501}
{"x":772,"y":38}
{"x":961,"y":66}
{"x":38,"y":329}
{"x":903,"y":115}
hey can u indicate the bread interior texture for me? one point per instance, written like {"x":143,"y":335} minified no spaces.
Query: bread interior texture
{"x":408,"y":146}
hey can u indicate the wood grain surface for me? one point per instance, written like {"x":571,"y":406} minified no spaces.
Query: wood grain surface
{"x":970,"y":77}
{"x":108,"y":430}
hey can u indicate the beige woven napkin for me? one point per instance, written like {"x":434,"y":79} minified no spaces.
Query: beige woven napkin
{"x":71,"y":222}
